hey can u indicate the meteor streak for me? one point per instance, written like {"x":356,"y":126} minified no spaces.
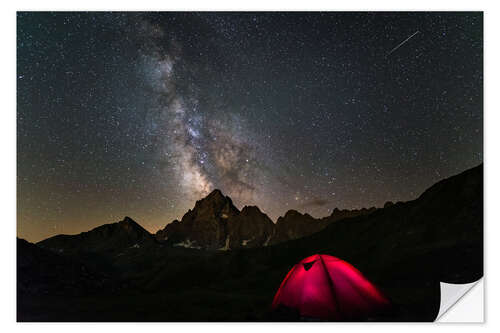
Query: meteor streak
{"x":401,"y":44}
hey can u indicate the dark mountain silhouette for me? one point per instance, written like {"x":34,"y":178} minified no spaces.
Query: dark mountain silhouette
{"x":108,"y":237}
{"x":295,"y":225}
{"x":205,"y":226}
{"x":405,"y":249}
{"x":215,"y":223}
{"x":250,"y":228}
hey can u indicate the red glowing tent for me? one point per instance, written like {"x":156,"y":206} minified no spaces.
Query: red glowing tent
{"x":325,"y":287}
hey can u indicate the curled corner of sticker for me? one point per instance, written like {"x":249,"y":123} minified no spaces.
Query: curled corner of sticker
{"x":451,"y":293}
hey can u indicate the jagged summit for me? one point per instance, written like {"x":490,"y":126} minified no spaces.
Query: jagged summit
{"x":216,"y":204}
{"x":215,"y":223}
{"x":338,"y":214}
{"x":250,"y":228}
{"x":215,"y":194}
{"x":294,"y":213}
{"x":203,"y":226}
{"x":250,"y":210}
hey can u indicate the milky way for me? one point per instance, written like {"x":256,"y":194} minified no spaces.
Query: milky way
{"x":206,"y":149}
{"x":142,"y":114}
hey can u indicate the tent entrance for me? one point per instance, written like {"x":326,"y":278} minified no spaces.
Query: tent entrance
{"x":308,"y":265}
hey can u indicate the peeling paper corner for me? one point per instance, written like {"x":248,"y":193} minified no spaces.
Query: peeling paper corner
{"x":461,"y":304}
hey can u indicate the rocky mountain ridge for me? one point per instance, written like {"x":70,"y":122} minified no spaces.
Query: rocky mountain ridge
{"x":215,"y":223}
{"x":108,"y":237}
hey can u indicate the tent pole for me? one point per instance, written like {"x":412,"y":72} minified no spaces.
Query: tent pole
{"x":332,"y":286}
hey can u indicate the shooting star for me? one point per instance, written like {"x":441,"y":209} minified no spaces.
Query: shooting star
{"x":401,"y":44}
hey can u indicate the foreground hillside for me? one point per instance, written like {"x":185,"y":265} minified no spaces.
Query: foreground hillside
{"x":405,"y":249}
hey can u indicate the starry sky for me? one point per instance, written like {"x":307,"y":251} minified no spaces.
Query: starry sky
{"x":142,"y":114}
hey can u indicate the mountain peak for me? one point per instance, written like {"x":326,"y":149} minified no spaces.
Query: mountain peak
{"x":292,"y":212}
{"x":127,"y":220}
{"x":129,"y":224}
{"x":215,"y":193}
{"x":215,"y":199}
{"x":204,"y":225}
{"x":107,"y":237}
{"x":251,"y":210}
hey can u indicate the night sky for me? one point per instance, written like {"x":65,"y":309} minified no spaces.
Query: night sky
{"x":142,"y":114}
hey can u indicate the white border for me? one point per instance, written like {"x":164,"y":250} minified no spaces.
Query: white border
{"x":8,"y":165}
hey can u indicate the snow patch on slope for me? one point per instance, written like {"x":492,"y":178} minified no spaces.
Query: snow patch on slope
{"x":245,"y":242}
{"x":188,"y":244}
{"x":226,"y":246}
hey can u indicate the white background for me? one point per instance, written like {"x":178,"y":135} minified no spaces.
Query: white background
{"x":8,"y":158}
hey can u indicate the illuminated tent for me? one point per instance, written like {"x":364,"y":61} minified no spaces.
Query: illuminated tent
{"x":325,"y":287}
